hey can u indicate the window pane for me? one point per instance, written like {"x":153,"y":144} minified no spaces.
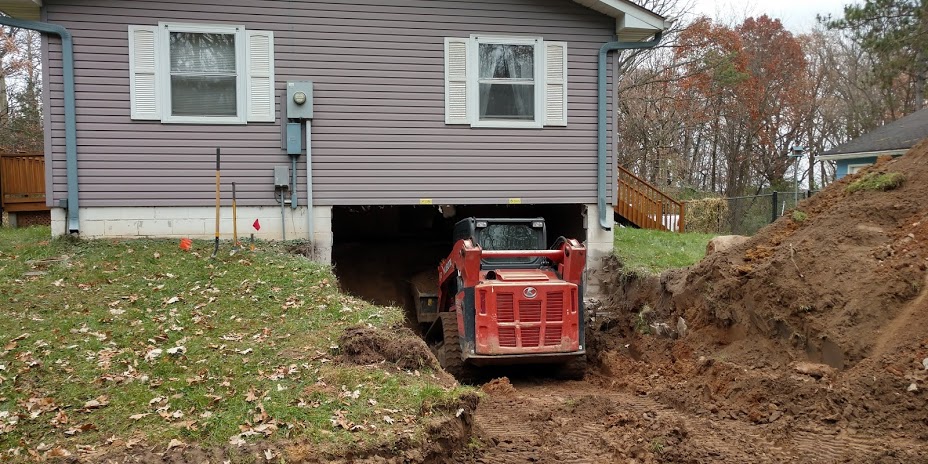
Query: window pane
{"x":500,"y":61}
{"x":507,"y":101}
{"x":203,"y":96}
{"x":509,"y":237}
{"x":202,"y":53}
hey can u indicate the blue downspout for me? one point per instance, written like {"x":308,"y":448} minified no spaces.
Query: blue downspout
{"x":601,"y":121}
{"x":70,"y":126}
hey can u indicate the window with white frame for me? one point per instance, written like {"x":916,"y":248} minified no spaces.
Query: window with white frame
{"x":855,"y":168}
{"x":201,"y":74}
{"x":510,"y":82}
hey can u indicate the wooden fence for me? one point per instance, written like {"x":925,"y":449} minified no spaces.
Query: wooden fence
{"x":22,"y":182}
{"x":645,"y":206}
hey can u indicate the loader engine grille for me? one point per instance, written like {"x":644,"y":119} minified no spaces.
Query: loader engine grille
{"x":537,"y":323}
{"x":505,"y":309}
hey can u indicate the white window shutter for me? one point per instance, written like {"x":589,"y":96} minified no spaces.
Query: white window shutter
{"x":456,"y":81}
{"x":260,"y":70}
{"x":143,"y":68}
{"x":555,"y":83}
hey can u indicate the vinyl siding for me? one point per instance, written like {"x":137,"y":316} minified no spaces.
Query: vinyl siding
{"x":378,"y":137}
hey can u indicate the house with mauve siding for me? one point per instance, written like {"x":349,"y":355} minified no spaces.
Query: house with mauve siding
{"x":410,"y":114}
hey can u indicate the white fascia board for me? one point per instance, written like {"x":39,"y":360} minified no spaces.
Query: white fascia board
{"x":22,"y":9}
{"x":632,"y":22}
{"x":860,"y":154}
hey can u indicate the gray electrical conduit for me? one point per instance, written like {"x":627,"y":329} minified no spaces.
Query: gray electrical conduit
{"x":309,"y":181}
{"x":70,"y":126}
{"x":601,"y":119}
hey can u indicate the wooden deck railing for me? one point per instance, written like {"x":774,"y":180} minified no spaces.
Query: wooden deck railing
{"x":645,"y":206}
{"x":22,"y":182}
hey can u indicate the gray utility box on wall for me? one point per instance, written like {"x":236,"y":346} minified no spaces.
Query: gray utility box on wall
{"x":294,"y":138}
{"x":300,"y":100}
{"x":282,"y":176}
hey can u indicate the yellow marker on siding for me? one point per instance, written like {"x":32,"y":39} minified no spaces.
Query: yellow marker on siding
{"x":425,"y":201}
{"x":515,"y":201}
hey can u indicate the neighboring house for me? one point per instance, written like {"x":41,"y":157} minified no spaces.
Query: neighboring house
{"x":893,"y":139}
{"x":420,"y":102}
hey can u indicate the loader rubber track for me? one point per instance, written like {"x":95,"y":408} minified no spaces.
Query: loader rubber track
{"x":448,"y":351}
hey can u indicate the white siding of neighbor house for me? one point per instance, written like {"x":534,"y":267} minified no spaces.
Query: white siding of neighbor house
{"x":379,"y":133}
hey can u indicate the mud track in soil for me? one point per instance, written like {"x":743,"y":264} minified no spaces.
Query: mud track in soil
{"x":594,"y":421}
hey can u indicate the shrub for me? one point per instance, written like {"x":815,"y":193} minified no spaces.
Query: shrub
{"x":799,"y":216}
{"x":880,"y":181}
{"x":707,"y":215}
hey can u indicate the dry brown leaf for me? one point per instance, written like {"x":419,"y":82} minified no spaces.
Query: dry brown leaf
{"x":98,"y":402}
{"x":237,"y":441}
{"x":175,"y":443}
{"x":139,"y":416}
{"x":82,"y":428}
{"x":60,"y":419}
{"x":58,"y":452}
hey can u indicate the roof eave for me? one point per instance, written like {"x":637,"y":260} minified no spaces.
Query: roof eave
{"x":633,"y":23}
{"x":861,"y":154}
{"x":22,"y":9}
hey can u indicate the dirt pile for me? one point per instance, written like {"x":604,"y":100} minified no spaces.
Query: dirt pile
{"x":365,"y":345}
{"x":841,"y":281}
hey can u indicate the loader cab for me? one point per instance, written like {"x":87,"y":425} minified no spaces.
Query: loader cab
{"x":505,"y":234}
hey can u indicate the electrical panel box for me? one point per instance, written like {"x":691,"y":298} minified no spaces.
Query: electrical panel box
{"x":299,"y":100}
{"x":294,"y":138}
{"x":282,"y":176}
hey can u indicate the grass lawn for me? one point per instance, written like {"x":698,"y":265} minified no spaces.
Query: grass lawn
{"x":114,"y":343}
{"x":654,"y":251}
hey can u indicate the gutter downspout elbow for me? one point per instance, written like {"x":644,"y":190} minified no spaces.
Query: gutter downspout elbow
{"x":70,"y":124}
{"x":602,"y":99}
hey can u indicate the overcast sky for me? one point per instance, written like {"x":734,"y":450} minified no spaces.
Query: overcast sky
{"x":796,"y":15}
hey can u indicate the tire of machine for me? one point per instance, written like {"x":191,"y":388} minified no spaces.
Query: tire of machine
{"x":574,"y":369}
{"x":448,"y":351}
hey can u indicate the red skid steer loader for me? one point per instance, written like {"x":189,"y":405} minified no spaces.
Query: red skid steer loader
{"x":502,"y":298}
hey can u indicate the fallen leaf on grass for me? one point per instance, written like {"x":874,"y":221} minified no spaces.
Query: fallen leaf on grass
{"x":97,"y":403}
{"x":60,"y":419}
{"x":153,"y":354}
{"x":136,"y":417}
{"x":177,"y":350}
{"x":237,"y":441}
{"x":268,"y":454}
{"x":175,"y":443}
{"x":58,"y":452}
{"x":82,"y":428}
{"x":388,"y":420}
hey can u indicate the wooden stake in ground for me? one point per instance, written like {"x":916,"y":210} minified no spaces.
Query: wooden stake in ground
{"x":216,"y":245}
{"x":235,"y":243}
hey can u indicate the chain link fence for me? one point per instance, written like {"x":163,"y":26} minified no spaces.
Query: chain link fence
{"x":748,"y":214}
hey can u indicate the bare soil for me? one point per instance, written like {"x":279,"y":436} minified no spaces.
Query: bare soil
{"x":804,"y":343}
{"x":364,"y":345}
{"x":807,"y":343}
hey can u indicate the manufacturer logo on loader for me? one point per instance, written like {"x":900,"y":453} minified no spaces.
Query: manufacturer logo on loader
{"x":530,"y":292}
